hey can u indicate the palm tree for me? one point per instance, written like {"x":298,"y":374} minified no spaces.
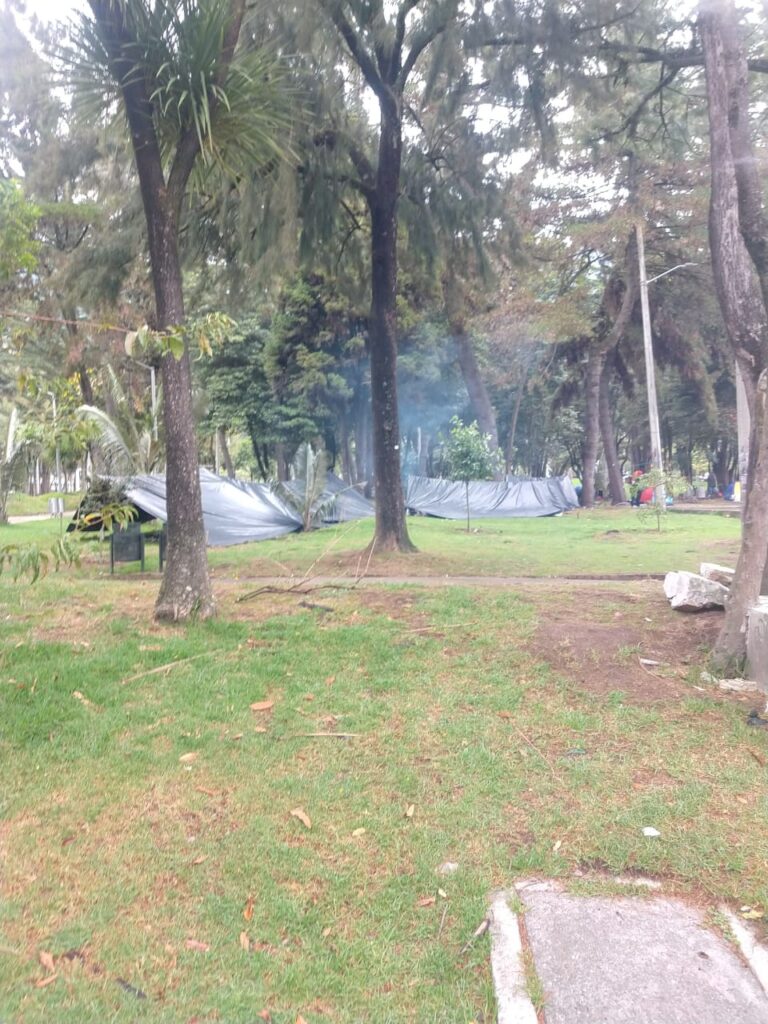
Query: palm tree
{"x":194,"y":101}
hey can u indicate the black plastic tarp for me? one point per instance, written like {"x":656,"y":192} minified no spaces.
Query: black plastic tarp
{"x":233,"y":512}
{"x":517,"y":497}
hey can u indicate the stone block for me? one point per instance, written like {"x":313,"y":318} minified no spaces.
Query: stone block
{"x":689,"y":592}
{"x":717,"y":573}
{"x":757,"y":643}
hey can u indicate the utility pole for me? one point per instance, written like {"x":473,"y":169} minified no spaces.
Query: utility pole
{"x":58,"y":445}
{"x":153,"y":394}
{"x":650,"y":372}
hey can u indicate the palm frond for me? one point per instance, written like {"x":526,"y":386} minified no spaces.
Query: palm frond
{"x":241,"y":123}
{"x":116,"y":451}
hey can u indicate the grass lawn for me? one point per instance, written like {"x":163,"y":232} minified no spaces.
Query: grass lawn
{"x":171,"y":854}
{"x":20,"y":504}
{"x":602,"y":542}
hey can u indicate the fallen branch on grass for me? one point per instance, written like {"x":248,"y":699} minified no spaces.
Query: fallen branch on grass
{"x":450,"y":625}
{"x":304,"y":585}
{"x":481,"y":929}
{"x":324,"y":735}
{"x":542,"y":755}
{"x":168,"y":666}
{"x":299,"y":589}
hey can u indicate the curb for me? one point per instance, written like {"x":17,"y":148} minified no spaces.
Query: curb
{"x":513,"y":1002}
{"x":751,"y":948}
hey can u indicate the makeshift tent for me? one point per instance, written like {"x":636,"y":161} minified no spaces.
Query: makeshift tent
{"x":233,"y":512}
{"x":519,"y":497}
{"x":342,"y":502}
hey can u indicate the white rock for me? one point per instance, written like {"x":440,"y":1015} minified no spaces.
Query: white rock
{"x":449,"y":868}
{"x":738,"y":685}
{"x":717,"y":573}
{"x":757,"y":642}
{"x":670,"y":584}
{"x":688,"y":592}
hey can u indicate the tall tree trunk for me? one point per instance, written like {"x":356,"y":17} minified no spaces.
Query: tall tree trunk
{"x":741,"y":301}
{"x":185,"y":589}
{"x":595,"y":363}
{"x":281,"y":462}
{"x":391,"y":531}
{"x":745,"y":589}
{"x":476,"y":389}
{"x":608,"y":434}
{"x":229,"y":466}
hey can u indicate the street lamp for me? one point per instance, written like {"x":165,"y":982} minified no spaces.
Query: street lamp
{"x":153,"y":386}
{"x":52,"y":396}
{"x":650,"y":371}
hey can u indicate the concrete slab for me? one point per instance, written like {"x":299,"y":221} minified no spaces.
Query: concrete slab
{"x":625,"y":960}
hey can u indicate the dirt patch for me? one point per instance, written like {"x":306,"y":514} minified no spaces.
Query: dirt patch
{"x":597,"y":640}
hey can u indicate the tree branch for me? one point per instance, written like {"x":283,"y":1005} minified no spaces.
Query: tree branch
{"x":402,"y":14}
{"x":679,"y":58}
{"x":363,"y":59}
{"x":421,"y":42}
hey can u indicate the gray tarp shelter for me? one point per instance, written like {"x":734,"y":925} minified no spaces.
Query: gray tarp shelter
{"x":343,"y":502}
{"x":237,"y":511}
{"x":517,"y":497}
{"x":233,"y":512}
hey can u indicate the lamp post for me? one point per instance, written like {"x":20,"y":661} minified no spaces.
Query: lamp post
{"x":153,"y":392}
{"x":650,"y":370}
{"x":52,"y":396}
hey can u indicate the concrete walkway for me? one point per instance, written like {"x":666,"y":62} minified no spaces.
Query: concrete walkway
{"x":620,"y":960}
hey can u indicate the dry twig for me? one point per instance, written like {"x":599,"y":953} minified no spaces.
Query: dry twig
{"x":481,"y":929}
{"x":168,"y":666}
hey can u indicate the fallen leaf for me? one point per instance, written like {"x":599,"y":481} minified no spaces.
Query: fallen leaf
{"x":238,"y":737}
{"x":248,"y":909}
{"x":652,"y":833}
{"x":42,"y":982}
{"x":426,"y":901}
{"x":309,"y":697}
{"x":207,"y":792}
{"x":358,"y":832}
{"x":46,"y":959}
{"x":326,"y":932}
{"x":265,"y":1015}
{"x":557,"y":846}
{"x":442,"y":894}
{"x":505,"y":714}
{"x":188,"y":758}
{"x":263,"y":705}
{"x":300,"y":1020}
{"x":330,"y":680}
{"x":198,"y":947}
{"x":245,"y":942}
{"x":758,"y":757}
{"x":301,"y":814}
{"x":409,"y":810}
{"x":752,"y":913}
{"x":200,"y":859}
{"x":259,"y":728}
